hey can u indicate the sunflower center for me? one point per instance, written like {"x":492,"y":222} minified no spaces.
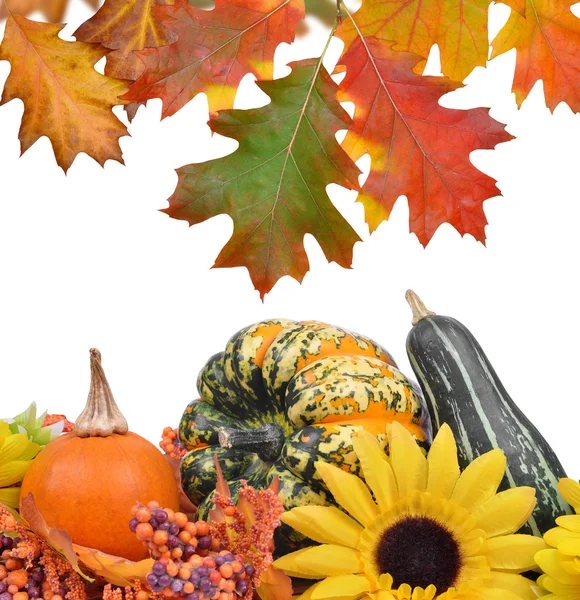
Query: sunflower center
{"x":419,"y":551}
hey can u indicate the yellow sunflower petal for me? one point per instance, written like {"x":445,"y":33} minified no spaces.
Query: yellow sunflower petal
{"x":557,"y":587}
{"x":4,"y":431}
{"x":511,"y":582}
{"x":513,"y":553}
{"x":377,"y":471}
{"x":567,"y":542}
{"x":349,"y":491}
{"x":10,"y":497}
{"x":326,"y":560}
{"x":307,"y":595}
{"x":324,"y":524}
{"x":480,"y":480}
{"x":30,"y":452}
{"x":570,"y":491}
{"x":506,"y":512}
{"x":407,"y":460}
{"x":442,"y":464}
{"x":290,"y":564}
{"x":569,"y":522}
{"x":342,"y":587}
{"x":13,"y":472}
{"x":552,"y":562}
{"x":492,"y":594}
{"x":13,"y":447}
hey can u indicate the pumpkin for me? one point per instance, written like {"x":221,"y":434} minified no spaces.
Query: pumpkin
{"x":282,"y":396}
{"x":87,"y":481}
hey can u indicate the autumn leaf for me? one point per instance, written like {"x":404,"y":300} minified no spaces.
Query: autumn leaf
{"x":125,"y":27}
{"x":114,"y":569}
{"x":214,"y":50}
{"x":547,"y":41}
{"x":418,"y":148}
{"x":58,"y":539}
{"x":53,"y":10}
{"x":458,"y":27}
{"x":274,"y":185}
{"x":64,"y":97}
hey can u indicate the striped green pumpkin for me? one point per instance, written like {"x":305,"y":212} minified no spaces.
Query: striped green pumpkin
{"x":282,"y":396}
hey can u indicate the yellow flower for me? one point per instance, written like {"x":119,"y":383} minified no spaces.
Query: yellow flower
{"x":561,"y":563}
{"x":16,"y":453}
{"x":420,"y":530}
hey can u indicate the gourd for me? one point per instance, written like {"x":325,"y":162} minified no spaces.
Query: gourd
{"x":282,"y":396}
{"x":87,"y":481}
{"x":463,"y":390}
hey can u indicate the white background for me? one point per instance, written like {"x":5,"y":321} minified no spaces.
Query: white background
{"x":87,"y":260}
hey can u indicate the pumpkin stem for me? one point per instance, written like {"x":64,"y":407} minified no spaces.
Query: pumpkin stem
{"x":101,"y":416}
{"x":417,"y":307}
{"x":267,"y":441}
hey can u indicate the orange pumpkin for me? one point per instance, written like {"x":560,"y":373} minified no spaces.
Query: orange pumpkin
{"x":87,"y":481}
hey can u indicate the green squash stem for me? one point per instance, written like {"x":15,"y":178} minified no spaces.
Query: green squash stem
{"x":267,"y":441}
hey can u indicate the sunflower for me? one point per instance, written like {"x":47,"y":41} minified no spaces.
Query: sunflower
{"x":561,"y":562}
{"x":21,"y":439}
{"x":420,"y":530}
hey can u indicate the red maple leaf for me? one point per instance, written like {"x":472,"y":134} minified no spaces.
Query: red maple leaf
{"x":214,"y":50}
{"x":418,"y":148}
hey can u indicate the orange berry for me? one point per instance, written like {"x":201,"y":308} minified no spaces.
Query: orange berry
{"x":144,"y":532}
{"x":214,"y":577}
{"x":47,"y":595}
{"x":167,"y":430}
{"x":152,"y":504}
{"x":226,"y":570}
{"x":20,"y":596}
{"x":12,"y":589}
{"x":3,"y":572}
{"x":164,"y":551}
{"x":209,"y":562}
{"x":172,"y":569}
{"x":142,"y":595}
{"x":230,"y":585}
{"x":184,"y":573}
{"x":160,"y":538}
{"x":143,"y":515}
{"x":195,"y":560}
{"x":57,"y":597}
{"x":237,"y":566}
{"x":215,"y":544}
{"x":46,"y":586}
{"x":180,"y":519}
{"x":167,"y":592}
{"x":18,"y":578}
{"x":230,"y":511}
{"x":166,"y":554}
{"x":12,"y":564}
{"x":177,"y":552}
{"x":188,"y":587}
{"x":164,"y":561}
{"x":191,"y":528}
{"x":170,"y":515}
{"x":224,"y":596}
{"x":202,"y":528}
{"x":184,"y":537}
{"x":169,"y":448}
{"x":9,"y":522}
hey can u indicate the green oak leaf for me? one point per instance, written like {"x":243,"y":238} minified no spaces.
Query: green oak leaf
{"x":274,"y":185}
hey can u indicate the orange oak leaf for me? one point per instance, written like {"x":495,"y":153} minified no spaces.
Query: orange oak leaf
{"x":418,"y":148}
{"x":214,"y":50}
{"x":274,"y":185}
{"x":53,"y":10}
{"x":458,"y":27}
{"x":125,"y":27}
{"x":64,"y":97}
{"x":547,"y":41}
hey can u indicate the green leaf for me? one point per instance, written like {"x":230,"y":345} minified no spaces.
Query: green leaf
{"x":274,"y":185}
